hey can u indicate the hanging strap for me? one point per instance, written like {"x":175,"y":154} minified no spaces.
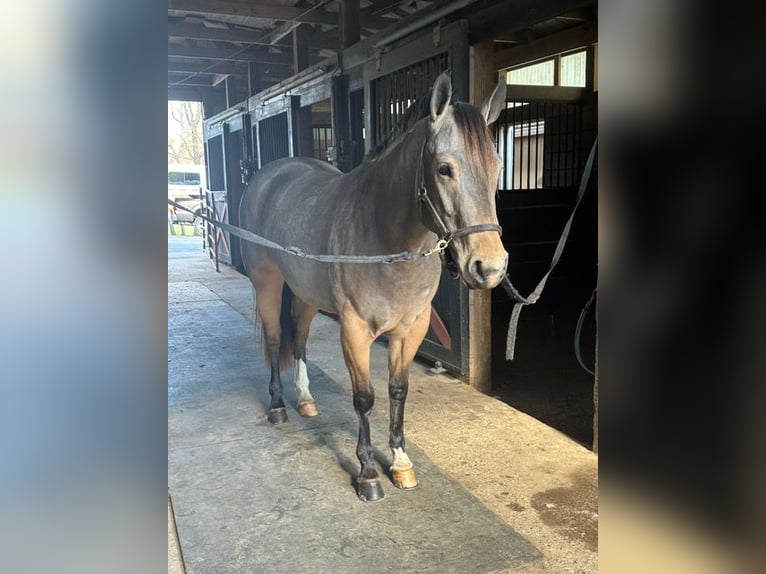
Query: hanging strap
{"x":531,"y":299}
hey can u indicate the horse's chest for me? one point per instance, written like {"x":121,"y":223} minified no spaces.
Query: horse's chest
{"x":392,"y":306}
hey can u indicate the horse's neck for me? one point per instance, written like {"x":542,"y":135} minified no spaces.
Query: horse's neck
{"x":395,"y":178}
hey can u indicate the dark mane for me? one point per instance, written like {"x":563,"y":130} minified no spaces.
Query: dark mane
{"x":476,"y":135}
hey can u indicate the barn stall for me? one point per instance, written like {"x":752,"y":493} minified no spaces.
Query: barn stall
{"x":331,"y":80}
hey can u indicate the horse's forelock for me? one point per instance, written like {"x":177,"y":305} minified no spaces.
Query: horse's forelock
{"x":476,"y":135}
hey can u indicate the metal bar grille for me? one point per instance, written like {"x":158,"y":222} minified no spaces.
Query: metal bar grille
{"x":393,"y":94}
{"x":322,"y":141}
{"x":540,"y":145}
{"x":273,"y":138}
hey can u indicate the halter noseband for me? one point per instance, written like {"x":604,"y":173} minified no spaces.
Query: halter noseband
{"x":445,"y":234}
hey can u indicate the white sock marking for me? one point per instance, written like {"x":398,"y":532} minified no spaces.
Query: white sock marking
{"x":301,"y":380}
{"x":401,"y":460}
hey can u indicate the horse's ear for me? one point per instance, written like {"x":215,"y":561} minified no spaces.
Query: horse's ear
{"x":440,"y":95}
{"x":494,"y":104}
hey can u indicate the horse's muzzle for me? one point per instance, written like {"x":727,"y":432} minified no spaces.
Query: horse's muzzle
{"x":485,"y":272}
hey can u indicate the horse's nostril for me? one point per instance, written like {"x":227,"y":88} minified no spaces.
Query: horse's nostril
{"x":478,"y":269}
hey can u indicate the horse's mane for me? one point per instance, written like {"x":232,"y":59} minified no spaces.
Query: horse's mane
{"x":476,"y":134}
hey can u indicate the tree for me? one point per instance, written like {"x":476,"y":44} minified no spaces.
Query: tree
{"x":185,"y":143}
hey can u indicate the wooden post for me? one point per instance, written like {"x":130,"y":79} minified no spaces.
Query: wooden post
{"x":253,"y":79}
{"x":214,"y":104}
{"x":349,"y":23}
{"x":303,"y":134}
{"x":301,"y":47}
{"x":231,"y":91}
{"x":591,"y":73}
{"x":340,"y":122}
{"x":482,"y":81}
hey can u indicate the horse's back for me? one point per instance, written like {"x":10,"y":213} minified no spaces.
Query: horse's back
{"x":290,"y":201}
{"x":284,"y":176}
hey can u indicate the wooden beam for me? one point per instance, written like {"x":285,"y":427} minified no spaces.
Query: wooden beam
{"x":251,"y":54}
{"x":301,"y":36}
{"x":546,"y":93}
{"x":194,"y":93}
{"x":302,"y":133}
{"x":254,"y":79}
{"x":207,"y":67}
{"x":250,"y":10}
{"x":282,"y":30}
{"x":191,"y":79}
{"x":547,"y":46}
{"x":506,"y":17}
{"x":349,"y":22}
{"x":381,"y":7}
{"x":590,"y":67}
{"x":201,"y":32}
{"x":232,"y":92}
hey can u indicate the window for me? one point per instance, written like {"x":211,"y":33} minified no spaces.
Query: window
{"x":175,"y":178}
{"x":191,"y":178}
{"x":183,"y":178}
{"x":572,"y":70}
{"x":535,"y":75}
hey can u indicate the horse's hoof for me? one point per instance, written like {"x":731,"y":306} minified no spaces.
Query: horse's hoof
{"x":277,"y":416}
{"x":308,"y":409}
{"x":369,"y":489}
{"x":404,"y":478}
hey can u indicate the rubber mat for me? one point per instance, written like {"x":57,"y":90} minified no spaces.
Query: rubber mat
{"x":250,"y":497}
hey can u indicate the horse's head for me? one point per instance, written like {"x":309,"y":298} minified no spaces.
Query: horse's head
{"x":460,"y":173}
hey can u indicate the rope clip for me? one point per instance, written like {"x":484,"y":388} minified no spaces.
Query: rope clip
{"x":438,"y":248}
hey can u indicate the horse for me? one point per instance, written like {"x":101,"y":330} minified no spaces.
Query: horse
{"x":434,"y":185}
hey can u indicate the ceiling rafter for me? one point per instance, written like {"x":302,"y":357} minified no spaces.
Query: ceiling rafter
{"x":249,"y":54}
{"x":201,"y":32}
{"x":218,"y":8}
{"x":206,"y":67}
{"x":244,"y":9}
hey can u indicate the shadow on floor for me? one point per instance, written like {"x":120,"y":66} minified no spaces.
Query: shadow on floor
{"x":545,"y":380}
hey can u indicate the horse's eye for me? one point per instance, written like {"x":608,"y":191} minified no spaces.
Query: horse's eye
{"x":445,"y":170}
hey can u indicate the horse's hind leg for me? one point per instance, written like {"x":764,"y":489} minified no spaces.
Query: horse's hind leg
{"x":303,"y":314}
{"x":402,"y":346}
{"x":268,"y":282}
{"x":356,"y":340}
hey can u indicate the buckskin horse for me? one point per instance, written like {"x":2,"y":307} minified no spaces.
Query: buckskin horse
{"x":434,"y":185}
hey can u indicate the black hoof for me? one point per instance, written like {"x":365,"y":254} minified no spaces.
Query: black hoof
{"x":277,"y":416}
{"x":369,"y":489}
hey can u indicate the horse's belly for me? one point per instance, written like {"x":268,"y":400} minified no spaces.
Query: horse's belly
{"x":309,"y":282}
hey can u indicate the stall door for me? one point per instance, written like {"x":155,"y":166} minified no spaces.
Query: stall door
{"x":394,"y":82}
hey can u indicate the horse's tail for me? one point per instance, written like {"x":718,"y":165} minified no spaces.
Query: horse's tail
{"x":287,"y":341}
{"x":286,"y":327}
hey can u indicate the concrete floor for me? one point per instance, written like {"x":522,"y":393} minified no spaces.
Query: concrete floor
{"x":531,"y":477}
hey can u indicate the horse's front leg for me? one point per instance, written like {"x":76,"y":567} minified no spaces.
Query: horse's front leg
{"x":356,"y":340}
{"x":401,"y":352}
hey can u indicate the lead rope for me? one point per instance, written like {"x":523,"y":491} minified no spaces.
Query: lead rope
{"x":531,"y":299}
